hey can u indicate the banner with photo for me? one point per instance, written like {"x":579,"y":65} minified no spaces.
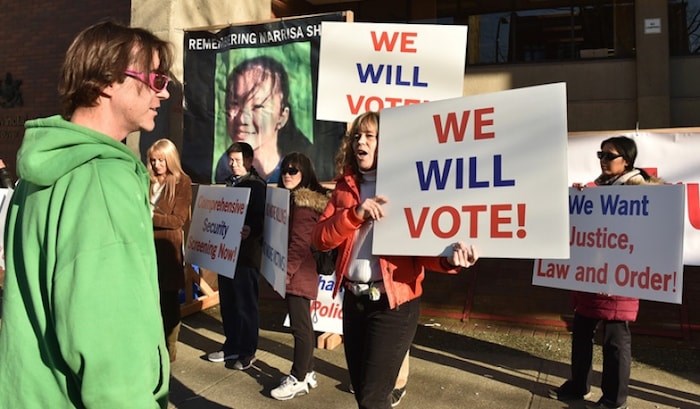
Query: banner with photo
{"x":625,"y":240}
{"x":255,"y":83}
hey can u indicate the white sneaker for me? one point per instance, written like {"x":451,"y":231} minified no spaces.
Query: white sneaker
{"x":289,"y":388}
{"x":220,"y":356}
{"x":310,"y":380}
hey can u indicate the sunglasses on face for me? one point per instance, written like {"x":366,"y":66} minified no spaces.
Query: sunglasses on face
{"x":156,"y":81}
{"x":290,"y":171}
{"x":607,"y":156}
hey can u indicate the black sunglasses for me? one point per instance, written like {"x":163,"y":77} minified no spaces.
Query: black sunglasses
{"x":291,"y":171}
{"x":608,"y":156}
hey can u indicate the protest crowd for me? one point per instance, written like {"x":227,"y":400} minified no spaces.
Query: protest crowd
{"x":88,"y":222}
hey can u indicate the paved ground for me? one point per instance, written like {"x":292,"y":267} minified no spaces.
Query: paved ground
{"x":453,"y":365}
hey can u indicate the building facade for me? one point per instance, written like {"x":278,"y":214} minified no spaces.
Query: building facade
{"x":627,"y":65}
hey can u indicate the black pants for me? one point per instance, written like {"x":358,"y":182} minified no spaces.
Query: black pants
{"x":238,"y":302}
{"x":304,"y":336}
{"x":617,"y":358}
{"x":376,"y":341}
{"x":170,"y":312}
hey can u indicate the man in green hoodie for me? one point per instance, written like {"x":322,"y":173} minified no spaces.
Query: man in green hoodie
{"x":81,"y":326}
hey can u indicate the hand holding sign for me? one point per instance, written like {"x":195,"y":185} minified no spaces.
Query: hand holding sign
{"x":371,"y":208}
{"x":462,"y":255}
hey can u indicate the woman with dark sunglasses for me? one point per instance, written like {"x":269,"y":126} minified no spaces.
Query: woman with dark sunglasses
{"x":617,"y":156}
{"x":308,"y":199}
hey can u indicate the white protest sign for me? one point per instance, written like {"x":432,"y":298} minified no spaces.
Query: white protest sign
{"x":670,"y":154}
{"x":215,"y":232}
{"x":625,"y":240}
{"x":488,"y":169}
{"x":372,"y":66}
{"x":275,"y":237}
{"x":326,"y":310}
{"x":5,"y":197}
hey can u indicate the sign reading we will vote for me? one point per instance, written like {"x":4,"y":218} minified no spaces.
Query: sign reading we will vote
{"x":215,"y":231}
{"x":488,"y":169}
{"x":372,"y":66}
{"x":625,"y":240}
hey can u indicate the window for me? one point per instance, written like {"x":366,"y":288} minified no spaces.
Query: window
{"x":598,"y":29}
{"x":684,"y":27}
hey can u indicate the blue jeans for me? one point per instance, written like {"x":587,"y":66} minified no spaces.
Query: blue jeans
{"x":238,"y":302}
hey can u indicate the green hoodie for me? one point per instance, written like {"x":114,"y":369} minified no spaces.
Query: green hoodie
{"x":81,"y":325}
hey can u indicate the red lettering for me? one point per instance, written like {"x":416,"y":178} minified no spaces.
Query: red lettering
{"x":446,"y":221}
{"x":393,"y":102}
{"x":451,"y":126}
{"x":375,"y":103}
{"x":435,"y":222}
{"x":473,"y":211}
{"x":406,"y":40}
{"x":355,"y":108}
{"x":383,"y":41}
{"x":377,"y":100}
{"x":413,"y":230}
{"x":480,"y":121}
{"x":496,"y":221}
{"x":693,"y":204}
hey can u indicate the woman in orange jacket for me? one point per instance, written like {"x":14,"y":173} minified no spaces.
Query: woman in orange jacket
{"x":381,"y":304}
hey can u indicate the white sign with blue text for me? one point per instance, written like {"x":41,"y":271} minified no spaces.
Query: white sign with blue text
{"x":625,"y":240}
{"x":372,"y":66}
{"x":489,"y":170}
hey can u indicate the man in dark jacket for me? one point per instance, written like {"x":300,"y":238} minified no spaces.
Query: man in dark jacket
{"x":238,"y":297}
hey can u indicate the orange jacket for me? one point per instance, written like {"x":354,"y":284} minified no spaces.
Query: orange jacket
{"x":402,"y":275}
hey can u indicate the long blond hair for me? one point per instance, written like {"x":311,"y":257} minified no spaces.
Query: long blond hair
{"x":172,"y":163}
{"x":345,"y":158}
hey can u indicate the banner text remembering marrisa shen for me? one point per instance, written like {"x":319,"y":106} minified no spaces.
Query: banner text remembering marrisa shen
{"x":277,"y":35}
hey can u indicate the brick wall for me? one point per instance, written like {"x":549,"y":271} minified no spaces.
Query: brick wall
{"x":34,"y":39}
{"x":502,"y":290}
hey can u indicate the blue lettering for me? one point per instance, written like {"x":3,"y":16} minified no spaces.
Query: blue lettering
{"x":497,"y":181}
{"x":578,"y":204}
{"x":369,"y":72}
{"x":472,"y":175}
{"x":433,"y":172}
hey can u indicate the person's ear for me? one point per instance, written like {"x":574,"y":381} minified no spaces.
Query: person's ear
{"x":284,"y":117}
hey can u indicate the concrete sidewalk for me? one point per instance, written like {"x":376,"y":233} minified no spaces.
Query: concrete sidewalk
{"x":448,"y":370}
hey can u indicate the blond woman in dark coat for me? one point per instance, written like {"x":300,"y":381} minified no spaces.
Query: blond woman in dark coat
{"x":171,"y":199}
